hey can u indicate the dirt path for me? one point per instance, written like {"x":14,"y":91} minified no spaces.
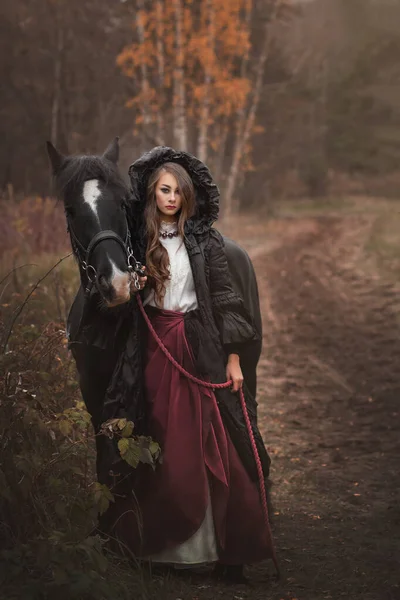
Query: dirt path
{"x":329,"y":402}
{"x":329,"y":393}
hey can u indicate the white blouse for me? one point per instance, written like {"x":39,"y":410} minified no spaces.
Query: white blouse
{"x":180,"y":294}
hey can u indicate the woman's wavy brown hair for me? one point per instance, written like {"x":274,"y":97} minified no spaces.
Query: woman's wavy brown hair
{"x":157,"y":262}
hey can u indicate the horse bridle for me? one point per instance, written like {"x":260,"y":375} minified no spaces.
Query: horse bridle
{"x":84,"y":255}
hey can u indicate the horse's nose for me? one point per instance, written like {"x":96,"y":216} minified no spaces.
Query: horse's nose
{"x":120,"y":283}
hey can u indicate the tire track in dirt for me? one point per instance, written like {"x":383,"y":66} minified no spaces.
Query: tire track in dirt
{"x":329,"y":391}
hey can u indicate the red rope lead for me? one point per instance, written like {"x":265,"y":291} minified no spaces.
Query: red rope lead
{"x":214,"y":386}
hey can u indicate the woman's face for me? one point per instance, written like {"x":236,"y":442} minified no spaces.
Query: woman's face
{"x":168,"y":198}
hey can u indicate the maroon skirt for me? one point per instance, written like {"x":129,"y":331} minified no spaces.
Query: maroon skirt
{"x":168,"y":505}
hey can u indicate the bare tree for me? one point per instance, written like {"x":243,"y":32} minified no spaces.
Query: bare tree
{"x":160,"y":16}
{"x":179,"y":97}
{"x":202,"y":149}
{"x":245,"y":122}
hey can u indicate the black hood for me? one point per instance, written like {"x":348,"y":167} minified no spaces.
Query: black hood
{"x":207,"y":193}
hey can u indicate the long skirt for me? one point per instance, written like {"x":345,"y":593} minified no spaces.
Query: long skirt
{"x":199,"y":505}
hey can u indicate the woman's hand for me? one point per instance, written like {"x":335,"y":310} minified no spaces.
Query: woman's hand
{"x":234,"y":372}
{"x":142,"y":282}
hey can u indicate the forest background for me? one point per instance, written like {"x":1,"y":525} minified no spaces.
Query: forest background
{"x":273,"y":95}
{"x":283,"y":100}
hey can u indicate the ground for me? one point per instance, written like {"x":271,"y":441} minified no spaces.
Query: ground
{"x":329,"y":391}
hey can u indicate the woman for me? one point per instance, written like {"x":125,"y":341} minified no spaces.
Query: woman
{"x":200,"y":505}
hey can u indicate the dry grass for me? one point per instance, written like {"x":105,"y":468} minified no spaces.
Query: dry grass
{"x":48,"y":497}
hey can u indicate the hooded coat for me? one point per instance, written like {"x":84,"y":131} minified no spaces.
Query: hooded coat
{"x":108,"y":348}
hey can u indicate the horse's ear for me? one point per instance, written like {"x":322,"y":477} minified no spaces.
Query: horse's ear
{"x":56,"y":158}
{"x":112,"y":152}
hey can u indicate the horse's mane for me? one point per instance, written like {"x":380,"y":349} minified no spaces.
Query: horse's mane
{"x":78,"y":169}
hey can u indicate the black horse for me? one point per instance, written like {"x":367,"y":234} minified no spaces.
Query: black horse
{"x":95,"y":199}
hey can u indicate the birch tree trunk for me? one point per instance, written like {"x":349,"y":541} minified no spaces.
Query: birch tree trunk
{"x":205,"y":112}
{"x":161,"y":71}
{"x":144,"y":84}
{"x":246,"y":123}
{"x":55,"y":109}
{"x":222,"y":133}
{"x":180,"y":125}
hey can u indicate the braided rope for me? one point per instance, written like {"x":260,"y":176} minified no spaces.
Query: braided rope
{"x":214,"y":386}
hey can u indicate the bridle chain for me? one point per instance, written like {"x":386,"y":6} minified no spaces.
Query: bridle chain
{"x":134,"y":266}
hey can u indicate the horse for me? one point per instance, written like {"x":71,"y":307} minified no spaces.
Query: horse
{"x":95,"y":199}
{"x":93,"y":193}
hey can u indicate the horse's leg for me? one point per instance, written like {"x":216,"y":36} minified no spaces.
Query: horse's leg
{"x":95,"y":368}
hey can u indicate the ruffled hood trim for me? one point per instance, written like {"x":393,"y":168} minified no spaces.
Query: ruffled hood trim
{"x":206,"y":191}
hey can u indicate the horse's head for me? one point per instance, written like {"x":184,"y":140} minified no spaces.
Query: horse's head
{"x":94,"y":195}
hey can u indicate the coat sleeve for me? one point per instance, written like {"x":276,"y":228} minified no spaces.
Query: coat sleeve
{"x":233,"y":320}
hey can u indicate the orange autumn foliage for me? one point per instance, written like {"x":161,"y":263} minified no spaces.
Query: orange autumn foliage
{"x":215,"y":38}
